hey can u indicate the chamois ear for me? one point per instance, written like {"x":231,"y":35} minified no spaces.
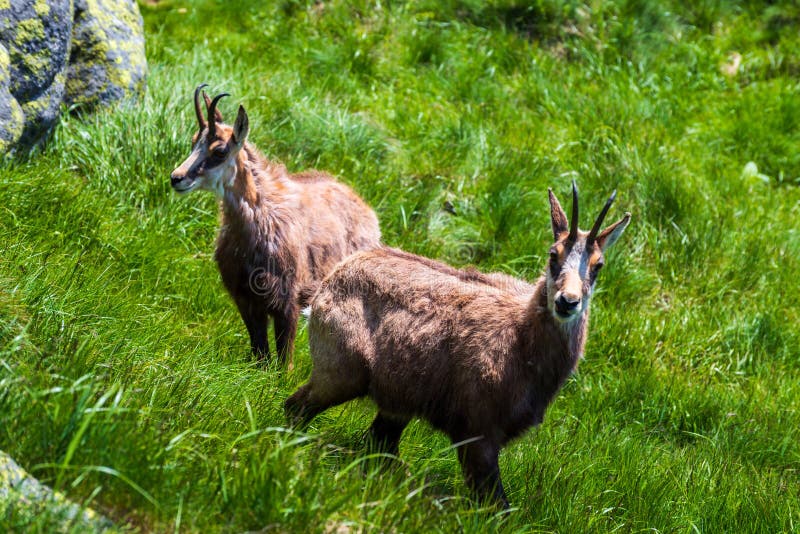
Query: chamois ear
{"x":241,"y":127}
{"x":611,"y":233}
{"x":557,"y":216}
{"x":217,"y":112}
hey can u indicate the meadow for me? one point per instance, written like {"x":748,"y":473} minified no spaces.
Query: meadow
{"x":125,"y":375}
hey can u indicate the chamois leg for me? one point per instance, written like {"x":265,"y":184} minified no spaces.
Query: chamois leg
{"x":385,"y":432}
{"x":324,"y":390}
{"x":306,"y":403}
{"x":285,"y":332}
{"x":482,"y":471}
{"x":299,"y":409}
{"x":254,"y":316}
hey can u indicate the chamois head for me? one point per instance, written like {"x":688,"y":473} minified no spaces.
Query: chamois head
{"x":212,"y":163}
{"x":576,"y":257}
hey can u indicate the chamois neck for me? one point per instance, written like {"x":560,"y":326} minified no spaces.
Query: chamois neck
{"x":243,"y":188}
{"x":253,"y":170}
{"x":241,"y":198}
{"x":254,"y":205}
{"x":572,"y":335}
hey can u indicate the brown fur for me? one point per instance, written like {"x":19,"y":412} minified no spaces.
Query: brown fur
{"x":479,"y":356}
{"x":279,"y":232}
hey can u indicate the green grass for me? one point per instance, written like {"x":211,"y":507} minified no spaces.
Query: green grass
{"x":125,"y":378}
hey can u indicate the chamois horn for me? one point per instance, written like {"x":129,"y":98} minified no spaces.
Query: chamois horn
{"x":573,"y":221}
{"x":596,"y":228}
{"x":212,"y":120}
{"x":198,"y":111}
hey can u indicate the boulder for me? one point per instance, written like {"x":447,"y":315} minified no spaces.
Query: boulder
{"x":107,"y":60}
{"x":11,"y":118}
{"x":57,"y":52}
{"x":25,"y":498}
{"x":36,"y":35}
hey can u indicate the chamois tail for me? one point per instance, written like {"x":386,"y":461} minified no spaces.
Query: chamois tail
{"x":307,"y":293}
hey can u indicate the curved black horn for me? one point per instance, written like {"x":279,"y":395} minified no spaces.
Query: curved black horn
{"x":212,"y":120}
{"x":573,"y":222}
{"x":200,"y":120}
{"x":596,"y":228}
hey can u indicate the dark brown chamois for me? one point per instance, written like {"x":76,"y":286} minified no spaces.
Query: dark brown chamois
{"x":479,"y":356}
{"x":279,"y":231}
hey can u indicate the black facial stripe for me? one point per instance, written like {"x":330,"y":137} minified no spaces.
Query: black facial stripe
{"x":555,"y":269}
{"x":197,"y":167}
{"x":214,"y":162}
{"x":217,"y":156}
{"x":593,"y":272}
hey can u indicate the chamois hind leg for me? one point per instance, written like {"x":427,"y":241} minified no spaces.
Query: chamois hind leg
{"x":385,"y":432}
{"x":285,"y":332}
{"x":482,"y":471}
{"x":254,"y":315}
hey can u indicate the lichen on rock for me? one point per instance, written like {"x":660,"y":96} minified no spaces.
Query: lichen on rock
{"x":65,"y":52}
{"x":38,"y":46}
{"x":37,"y":50}
{"x":25,"y":498}
{"x":107,"y":61}
{"x":11,"y":117}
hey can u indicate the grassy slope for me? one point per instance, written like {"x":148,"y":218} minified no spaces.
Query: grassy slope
{"x":124,"y":374}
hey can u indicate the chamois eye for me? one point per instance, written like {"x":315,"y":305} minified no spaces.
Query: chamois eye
{"x":553,"y":254}
{"x":220,"y":152}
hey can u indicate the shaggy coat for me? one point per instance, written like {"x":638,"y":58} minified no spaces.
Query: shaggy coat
{"x":480,"y":356}
{"x":279,"y":231}
{"x":282,"y":233}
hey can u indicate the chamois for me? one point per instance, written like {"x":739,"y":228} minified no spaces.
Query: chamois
{"x":279,"y":231}
{"x":479,"y":356}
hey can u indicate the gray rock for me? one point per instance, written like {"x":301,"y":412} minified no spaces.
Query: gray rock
{"x":27,"y":497}
{"x":36,"y":36}
{"x":54,"y":52}
{"x":107,"y":61}
{"x":11,"y":118}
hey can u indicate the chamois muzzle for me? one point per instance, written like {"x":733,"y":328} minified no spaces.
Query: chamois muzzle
{"x":180,"y":180}
{"x":566,"y":305}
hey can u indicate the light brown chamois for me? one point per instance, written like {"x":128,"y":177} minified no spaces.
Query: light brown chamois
{"x":279,"y":232}
{"x":479,"y":356}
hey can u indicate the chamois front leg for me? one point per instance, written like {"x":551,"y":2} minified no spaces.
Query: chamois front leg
{"x":254,"y":315}
{"x":327,"y":387}
{"x":385,"y":432}
{"x":285,"y":332}
{"x":479,"y":460}
{"x":307,"y":402}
